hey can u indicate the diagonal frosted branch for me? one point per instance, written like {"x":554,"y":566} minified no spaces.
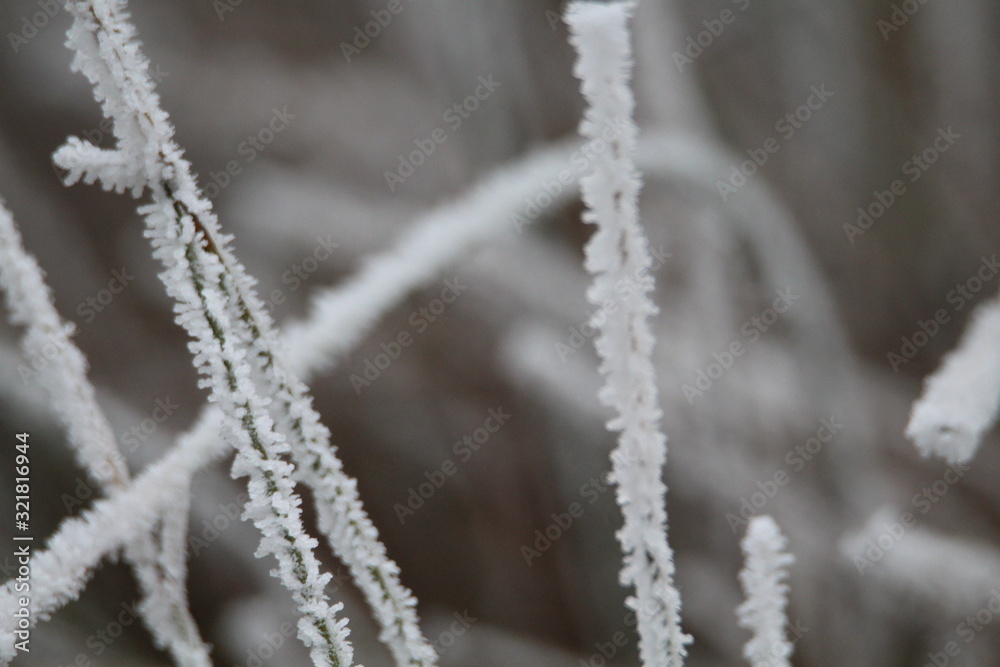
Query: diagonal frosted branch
{"x":47,"y":336}
{"x":200,"y":274}
{"x":89,"y":433}
{"x":339,"y":318}
{"x":60,"y":572}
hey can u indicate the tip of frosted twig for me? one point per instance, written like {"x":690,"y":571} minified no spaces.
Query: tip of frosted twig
{"x":961,"y":398}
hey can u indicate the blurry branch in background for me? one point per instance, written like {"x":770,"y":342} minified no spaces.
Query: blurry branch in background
{"x":762,"y":578}
{"x":961,"y":398}
{"x":160,"y":570}
{"x":618,"y":252}
{"x":891,"y":547}
{"x":113,"y":522}
{"x":342,"y":315}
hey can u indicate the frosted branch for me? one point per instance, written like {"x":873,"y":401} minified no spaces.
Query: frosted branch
{"x":618,"y":251}
{"x":74,"y":400}
{"x":339,"y":318}
{"x":84,"y":161}
{"x":961,"y":398}
{"x":201,"y":276}
{"x":763,"y":580}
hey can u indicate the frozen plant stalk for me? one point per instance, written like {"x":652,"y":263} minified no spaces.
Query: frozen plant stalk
{"x":232,"y":340}
{"x":164,"y":604}
{"x":762,"y":578}
{"x":618,"y":254}
{"x":961,"y":398}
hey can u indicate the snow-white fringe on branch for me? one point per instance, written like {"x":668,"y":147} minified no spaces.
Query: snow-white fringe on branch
{"x":267,"y":410}
{"x":763,"y":580}
{"x":338,"y":321}
{"x":339,"y":318}
{"x":197,"y":278}
{"x":961,"y":398}
{"x":164,"y":605}
{"x":617,"y":255}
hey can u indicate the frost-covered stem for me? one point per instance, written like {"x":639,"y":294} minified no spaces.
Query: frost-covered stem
{"x":198,"y":273}
{"x":193,"y":275}
{"x":164,"y":605}
{"x":962,"y":397}
{"x":62,"y":569}
{"x":340,"y":318}
{"x":342,"y":518}
{"x":763,"y":580}
{"x":618,"y":251}
{"x":64,"y":378}
{"x":164,"y":601}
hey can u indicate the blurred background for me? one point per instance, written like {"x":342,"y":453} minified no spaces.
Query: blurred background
{"x":821,"y":178}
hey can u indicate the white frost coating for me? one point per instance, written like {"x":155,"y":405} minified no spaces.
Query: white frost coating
{"x":73,"y":398}
{"x":59,"y":572}
{"x":340,"y":317}
{"x":213,"y":301}
{"x":961,"y":398}
{"x":763,"y":580}
{"x":618,"y":252}
{"x":64,"y":377}
{"x":62,"y":569}
{"x":164,"y":605}
{"x":474,"y":218}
